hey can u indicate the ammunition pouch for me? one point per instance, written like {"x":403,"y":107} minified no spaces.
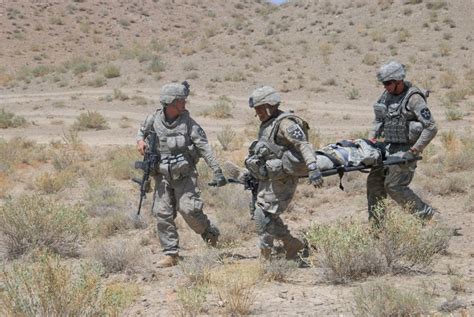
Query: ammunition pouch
{"x":175,"y":166}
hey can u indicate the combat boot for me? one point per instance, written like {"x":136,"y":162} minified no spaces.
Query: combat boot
{"x":292,"y":246}
{"x":168,"y":260}
{"x":265,"y":254}
{"x":211,"y":236}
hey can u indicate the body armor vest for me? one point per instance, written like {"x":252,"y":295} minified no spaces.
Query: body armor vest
{"x":396,"y":124}
{"x":178,"y":154}
{"x":267,"y":158}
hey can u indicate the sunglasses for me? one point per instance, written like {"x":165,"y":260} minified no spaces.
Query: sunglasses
{"x":388,"y":82}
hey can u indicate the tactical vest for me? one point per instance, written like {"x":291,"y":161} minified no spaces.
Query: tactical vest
{"x":178,"y":154}
{"x":396,"y":124}
{"x":270,"y":160}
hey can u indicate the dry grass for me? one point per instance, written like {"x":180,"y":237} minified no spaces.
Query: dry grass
{"x":121,"y":161}
{"x":382,"y":299}
{"x":32,"y":222}
{"x":197,"y":268}
{"x":49,"y":288}
{"x":191,"y":300}
{"x":278,"y":269}
{"x":234,"y":284}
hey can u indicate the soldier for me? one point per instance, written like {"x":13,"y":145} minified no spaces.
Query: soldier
{"x":180,"y":142}
{"x":401,"y":108}
{"x":277,"y":159}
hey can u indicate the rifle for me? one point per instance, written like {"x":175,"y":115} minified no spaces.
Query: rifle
{"x":250,"y":183}
{"x":150,"y":159}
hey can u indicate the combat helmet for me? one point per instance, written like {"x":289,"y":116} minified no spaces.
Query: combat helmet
{"x":264,"y":95}
{"x":391,"y":71}
{"x":173,"y":91}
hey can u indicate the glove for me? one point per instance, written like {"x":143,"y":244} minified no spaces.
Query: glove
{"x":315,"y":177}
{"x":410,"y":155}
{"x":218,"y":180}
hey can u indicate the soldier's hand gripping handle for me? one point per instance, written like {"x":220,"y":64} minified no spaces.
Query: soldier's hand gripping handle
{"x":141,"y":147}
{"x":314,"y":176}
{"x":219,"y":179}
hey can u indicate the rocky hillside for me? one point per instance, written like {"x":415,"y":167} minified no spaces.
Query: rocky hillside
{"x":311,"y":49}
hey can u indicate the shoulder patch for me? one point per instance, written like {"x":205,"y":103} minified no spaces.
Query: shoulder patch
{"x":201,"y":133}
{"x":295,"y":132}
{"x":425,"y":113}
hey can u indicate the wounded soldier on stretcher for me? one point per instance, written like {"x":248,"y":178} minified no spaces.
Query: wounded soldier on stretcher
{"x":337,"y":158}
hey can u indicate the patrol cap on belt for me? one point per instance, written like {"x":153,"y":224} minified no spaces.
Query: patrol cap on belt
{"x":264,"y":95}
{"x":391,"y":71}
{"x":170,"y":92}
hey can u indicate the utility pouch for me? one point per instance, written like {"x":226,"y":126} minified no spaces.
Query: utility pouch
{"x":275,"y":169}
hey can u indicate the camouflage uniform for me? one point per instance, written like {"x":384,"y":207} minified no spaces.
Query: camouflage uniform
{"x":180,"y":143}
{"x":395,"y":116}
{"x":282,"y":136}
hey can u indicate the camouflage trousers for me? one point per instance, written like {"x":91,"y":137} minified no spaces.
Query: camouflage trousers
{"x":183,"y":196}
{"x":393,"y":181}
{"x":273,"y":199}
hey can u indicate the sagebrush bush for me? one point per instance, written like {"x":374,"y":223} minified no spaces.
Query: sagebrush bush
{"x":10,"y":120}
{"x":121,"y":161}
{"x":91,"y":120}
{"x":49,"y":288}
{"x":103,"y":199}
{"x":111,"y":71}
{"x":31,"y":222}
{"x":226,"y":136}
{"x":50,"y":183}
{"x":347,"y":250}
{"x":406,"y":243}
{"x":221,"y":109}
{"x":384,"y":300}
{"x":118,"y":255}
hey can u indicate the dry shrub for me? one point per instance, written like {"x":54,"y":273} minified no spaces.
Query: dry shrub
{"x":384,"y":300}
{"x":232,"y":205}
{"x":406,"y":243}
{"x":453,"y":114}
{"x":197,"y":268}
{"x":448,"y":184}
{"x":102,"y":198}
{"x":121,"y":162}
{"x":278,"y":269}
{"x":91,"y":120}
{"x":234,"y":284}
{"x":52,"y":183}
{"x":118,"y":255}
{"x":10,"y":120}
{"x":49,"y":288}
{"x":32,"y":222}
{"x":448,"y":79}
{"x":226,"y":136}
{"x":221,"y":109}
{"x":347,"y":250}
{"x":20,"y":150}
{"x":457,"y":284}
{"x":451,"y":142}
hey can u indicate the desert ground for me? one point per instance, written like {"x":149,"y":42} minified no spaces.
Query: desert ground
{"x":78,"y":77}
